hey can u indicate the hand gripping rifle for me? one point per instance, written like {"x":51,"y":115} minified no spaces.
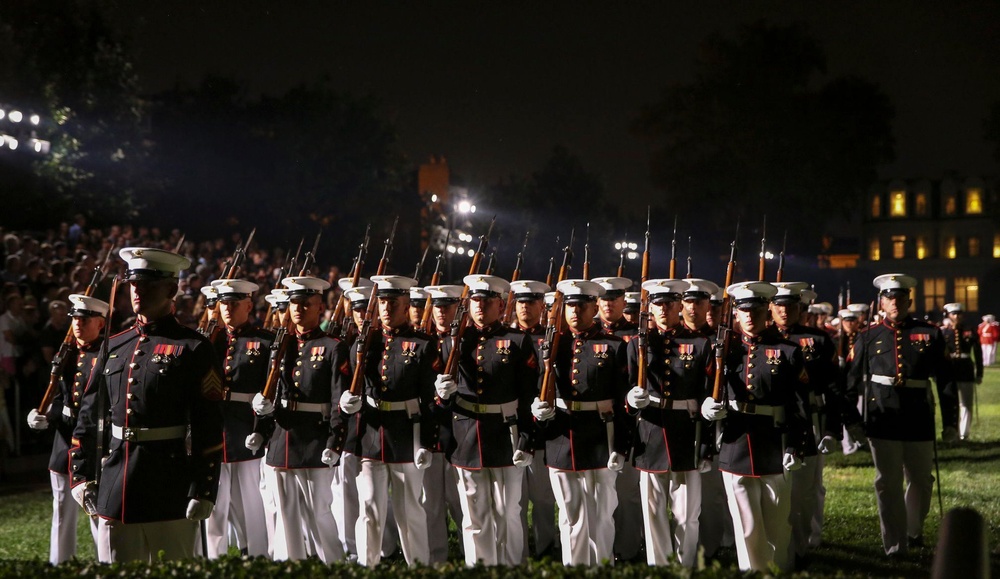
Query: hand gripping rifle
{"x":673,"y":247}
{"x":461,"y":320}
{"x":231,"y":271}
{"x":60,"y":358}
{"x":553,"y":331}
{"x":725,"y":323}
{"x":344,"y":305}
{"x":365,"y":331}
{"x":426,"y":323}
{"x":508,"y":309}
{"x":281,"y":337}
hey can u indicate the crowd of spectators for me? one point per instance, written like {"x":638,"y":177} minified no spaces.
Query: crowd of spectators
{"x":41,"y":269}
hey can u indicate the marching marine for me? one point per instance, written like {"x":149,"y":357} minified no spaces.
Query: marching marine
{"x":965,"y":356}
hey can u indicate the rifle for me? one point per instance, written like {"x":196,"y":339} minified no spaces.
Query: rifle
{"x":281,"y":338}
{"x":621,"y":258}
{"x":763,"y":233}
{"x":689,"y":274}
{"x":781,"y":259}
{"x":365,"y":331}
{"x":586,"y":254}
{"x":643,"y":330}
{"x":725,"y":322}
{"x":67,"y":343}
{"x":552,"y":262}
{"x":269,"y":317}
{"x":509,"y":307}
{"x":180,"y":244}
{"x":359,"y":262}
{"x":425,"y":321}
{"x":673,"y":249}
{"x":229,"y":272}
{"x":553,"y":331}
{"x":310,"y":258}
{"x":492,"y":261}
{"x":461,"y":320}
{"x":420,"y":264}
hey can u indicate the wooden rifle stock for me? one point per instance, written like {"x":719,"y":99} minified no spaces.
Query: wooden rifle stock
{"x":673,"y":252}
{"x":554,"y":331}
{"x":364,"y":332}
{"x":763,"y":253}
{"x":642,"y":336}
{"x":586,"y":254}
{"x":64,"y":348}
{"x":508,"y":309}
{"x":461,"y":320}
{"x":426,"y":323}
{"x":725,"y":324}
{"x":344,"y":305}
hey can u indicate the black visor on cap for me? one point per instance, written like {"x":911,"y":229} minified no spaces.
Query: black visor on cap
{"x":231,"y":297}
{"x":78,"y":313}
{"x":896,"y":291}
{"x":359,"y":305}
{"x":748,"y":304}
{"x":392,"y":292}
{"x":849,"y":318}
{"x":282,"y":306}
{"x":697,"y":295}
{"x":484,"y":293}
{"x":664,"y":298}
{"x":443,"y":301}
{"x":141,"y":274}
{"x":787,"y":300}
{"x":301,"y":292}
{"x":528,"y":297}
{"x":613,"y":294}
{"x":580,"y":299}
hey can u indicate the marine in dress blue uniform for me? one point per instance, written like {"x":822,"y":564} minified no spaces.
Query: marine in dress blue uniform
{"x":892,"y":363}
{"x":763,"y":430}
{"x":159,"y":382}
{"x":669,"y":424}
{"x":585,"y":446}
{"x":308,"y":438}
{"x":392,"y":413}
{"x":89,"y":315}
{"x":243,"y":352}
{"x":965,"y":356}
{"x":490,"y":425}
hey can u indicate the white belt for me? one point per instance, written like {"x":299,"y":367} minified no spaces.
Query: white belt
{"x":306,"y":407}
{"x":67,"y":412}
{"x":412,"y":405}
{"x":907,"y":383}
{"x":777,"y":412}
{"x":506,"y":409}
{"x":238,"y":396}
{"x":690,"y":404}
{"x":149,"y":434}
{"x":572,"y":406}
{"x":960,"y":356}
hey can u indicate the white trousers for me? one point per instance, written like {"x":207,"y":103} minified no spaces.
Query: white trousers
{"x":966,"y":407}
{"x":587,"y":501}
{"x":716,"y":524}
{"x":305,"y":513}
{"x":119,"y":542}
{"x":65,"y":510}
{"x":680,"y":492}
{"x":900,"y":513}
{"x":440,"y":498}
{"x":760,"y":507}
{"x":241,"y":505}
{"x":816,"y":533}
{"x":406,"y":484}
{"x":269,"y":482}
{"x":538,"y":490}
{"x":989,"y":354}
{"x":491,"y":515}
{"x":628,"y":514}
{"x":806,"y":485}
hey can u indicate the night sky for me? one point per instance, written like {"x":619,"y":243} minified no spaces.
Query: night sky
{"x":493,"y":85}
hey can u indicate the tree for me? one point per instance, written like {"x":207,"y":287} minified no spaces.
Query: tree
{"x":758,"y":133}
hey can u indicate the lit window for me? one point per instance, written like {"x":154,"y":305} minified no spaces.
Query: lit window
{"x":950,"y":249}
{"x":933,"y":294}
{"x":873,"y":250}
{"x":898,"y":246}
{"x":877,"y":206}
{"x":921,"y":204}
{"x":967,"y":292}
{"x":950,"y":204}
{"x":973,"y":246}
{"x":974,"y":201}
{"x":898,"y":207}
{"x":921,"y":247}
{"x":996,"y":245}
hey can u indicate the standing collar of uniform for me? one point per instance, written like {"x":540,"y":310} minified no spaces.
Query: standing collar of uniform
{"x":90,"y":346}
{"x":671,"y":331}
{"x":404,"y":330}
{"x":237,"y":332}
{"x":491,"y":329}
{"x":532,"y":330}
{"x":310,"y":334}
{"x":900,"y":325}
{"x":590,"y":332}
{"x":155,"y":326}
{"x":748,"y":339}
{"x":615,"y":325}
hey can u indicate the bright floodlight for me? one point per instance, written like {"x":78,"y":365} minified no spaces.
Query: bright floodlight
{"x":3,"y":114}
{"x":633,"y":246}
{"x":434,"y":198}
{"x":618,"y":245}
{"x":464,"y":207}
{"x":451,"y":249}
{"x":38,"y":146}
{"x":472,"y":252}
{"x":633,"y":255}
{"x":472,"y":209}
{"x":12,"y":143}
{"x":35,"y":119}
{"x":15,"y":116}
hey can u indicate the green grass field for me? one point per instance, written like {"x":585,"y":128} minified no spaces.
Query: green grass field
{"x":970,"y":475}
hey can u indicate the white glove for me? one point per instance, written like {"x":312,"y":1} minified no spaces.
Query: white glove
{"x":199,"y":510}
{"x":616,"y":462}
{"x":713,"y":410}
{"x":350,"y":403}
{"x":445,"y":386}
{"x":827,"y":444}
{"x":262,"y":406}
{"x":523,"y":459}
{"x":422,"y":459}
{"x":704,"y":465}
{"x":79,"y":493}
{"x":254,"y":441}
{"x":542,"y":410}
{"x":791,"y":462}
{"x":329,"y":457}
{"x":37,"y":421}
{"x":638,"y":398}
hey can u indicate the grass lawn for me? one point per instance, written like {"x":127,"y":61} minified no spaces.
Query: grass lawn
{"x":970,"y":474}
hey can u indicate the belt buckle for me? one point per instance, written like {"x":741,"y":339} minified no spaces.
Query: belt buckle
{"x":899,"y":381}
{"x":384,"y":406}
{"x":479,"y":408}
{"x":128,"y":434}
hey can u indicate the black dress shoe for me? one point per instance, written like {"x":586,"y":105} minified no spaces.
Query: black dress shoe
{"x":915,"y":542}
